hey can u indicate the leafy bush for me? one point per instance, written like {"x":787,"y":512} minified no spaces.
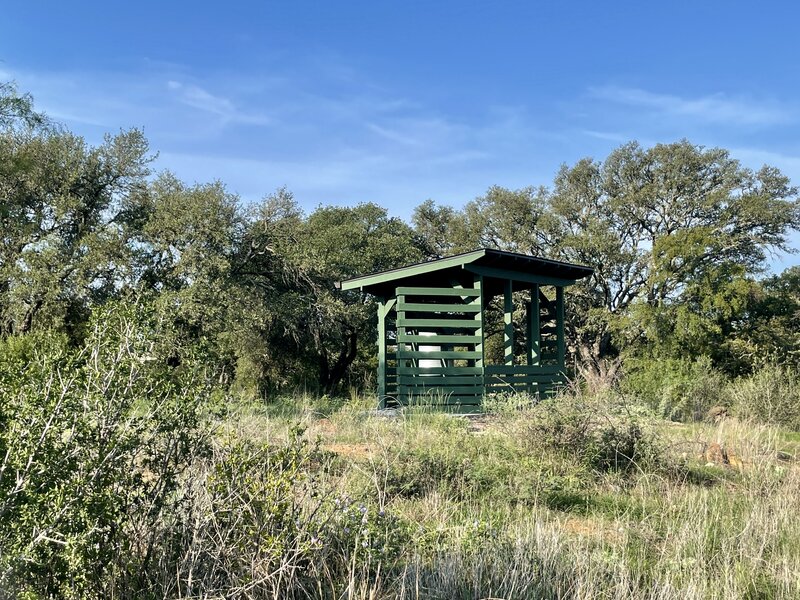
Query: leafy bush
{"x":355,"y":534}
{"x":676,"y":389}
{"x":93,"y":445}
{"x":110,"y":485}
{"x":770,"y":395}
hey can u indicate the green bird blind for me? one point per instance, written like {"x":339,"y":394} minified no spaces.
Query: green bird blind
{"x":432,"y":333}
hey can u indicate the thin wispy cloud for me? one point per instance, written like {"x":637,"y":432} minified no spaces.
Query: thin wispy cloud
{"x":257,"y":131}
{"x":392,"y":135}
{"x":203,"y":100}
{"x":609,"y":136}
{"x":336,"y":139}
{"x":715,"y":108}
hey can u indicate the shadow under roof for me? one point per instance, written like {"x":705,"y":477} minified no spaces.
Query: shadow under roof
{"x":495,"y":265}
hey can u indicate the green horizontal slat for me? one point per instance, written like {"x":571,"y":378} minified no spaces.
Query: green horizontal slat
{"x":453,"y":323}
{"x":403,"y":370}
{"x":436,"y":380}
{"x":465,"y":355}
{"x":439,"y":339}
{"x":422,"y":307}
{"x":520,"y":370}
{"x":443,"y":391}
{"x":428,"y":291}
{"x":523,"y":379}
{"x":439,"y":382}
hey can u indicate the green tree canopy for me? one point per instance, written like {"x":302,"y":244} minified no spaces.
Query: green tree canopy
{"x":61,"y":209}
{"x":671,"y":231}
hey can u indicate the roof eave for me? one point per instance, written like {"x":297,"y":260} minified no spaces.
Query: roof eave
{"x":573,"y":272}
{"x":411,"y":270}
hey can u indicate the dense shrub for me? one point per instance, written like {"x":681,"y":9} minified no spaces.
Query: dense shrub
{"x":676,"y":389}
{"x":770,"y":395}
{"x":261,"y":524}
{"x":602,"y":433}
{"x":93,"y":444}
{"x":111,"y":486}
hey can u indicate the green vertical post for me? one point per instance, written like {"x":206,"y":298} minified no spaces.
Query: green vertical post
{"x":478,"y":285}
{"x":401,"y":348}
{"x":534,"y":330}
{"x":562,"y":346}
{"x":479,"y":331}
{"x":508,"y":323}
{"x":382,"y":353}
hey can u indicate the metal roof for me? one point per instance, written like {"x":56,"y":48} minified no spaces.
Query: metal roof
{"x":492,"y":264}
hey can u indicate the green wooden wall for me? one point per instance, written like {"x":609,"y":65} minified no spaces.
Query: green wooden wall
{"x":431,"y":346}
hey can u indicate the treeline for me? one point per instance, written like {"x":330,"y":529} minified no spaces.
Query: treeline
{"x":679,"y":236}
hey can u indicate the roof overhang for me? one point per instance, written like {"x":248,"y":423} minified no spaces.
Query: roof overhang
{"x":522,"y":269}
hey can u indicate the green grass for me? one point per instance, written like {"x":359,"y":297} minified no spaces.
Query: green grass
{"x":490,"y":510}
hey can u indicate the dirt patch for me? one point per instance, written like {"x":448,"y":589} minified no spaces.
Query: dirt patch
{"x":354,"y":451}
{"x":323,"y":427}
{"x":590,"y":528}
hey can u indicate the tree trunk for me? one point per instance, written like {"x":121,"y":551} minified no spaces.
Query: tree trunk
{"x":331,"y":376}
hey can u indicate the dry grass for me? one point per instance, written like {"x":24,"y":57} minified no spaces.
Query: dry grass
{"x":490,"y":514}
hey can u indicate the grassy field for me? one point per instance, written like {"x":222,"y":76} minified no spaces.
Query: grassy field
{"x":577,"y":498}
{"x":119,"y":480}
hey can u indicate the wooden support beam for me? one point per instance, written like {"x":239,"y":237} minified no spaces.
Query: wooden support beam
{"x":382,"y":354}
{"x":534,"y":328}
{"x":454,"y":323}
{"x":560,"y":340}
{"x":479,"y":320}
{"x":518,"y":276}
{"x":508,"y":323}
{"x":418,"y":355}
{"x":401,"y":346}
{"x":545,"y":302}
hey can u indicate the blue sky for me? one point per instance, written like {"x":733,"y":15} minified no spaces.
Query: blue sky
{"x":397,"y":102}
